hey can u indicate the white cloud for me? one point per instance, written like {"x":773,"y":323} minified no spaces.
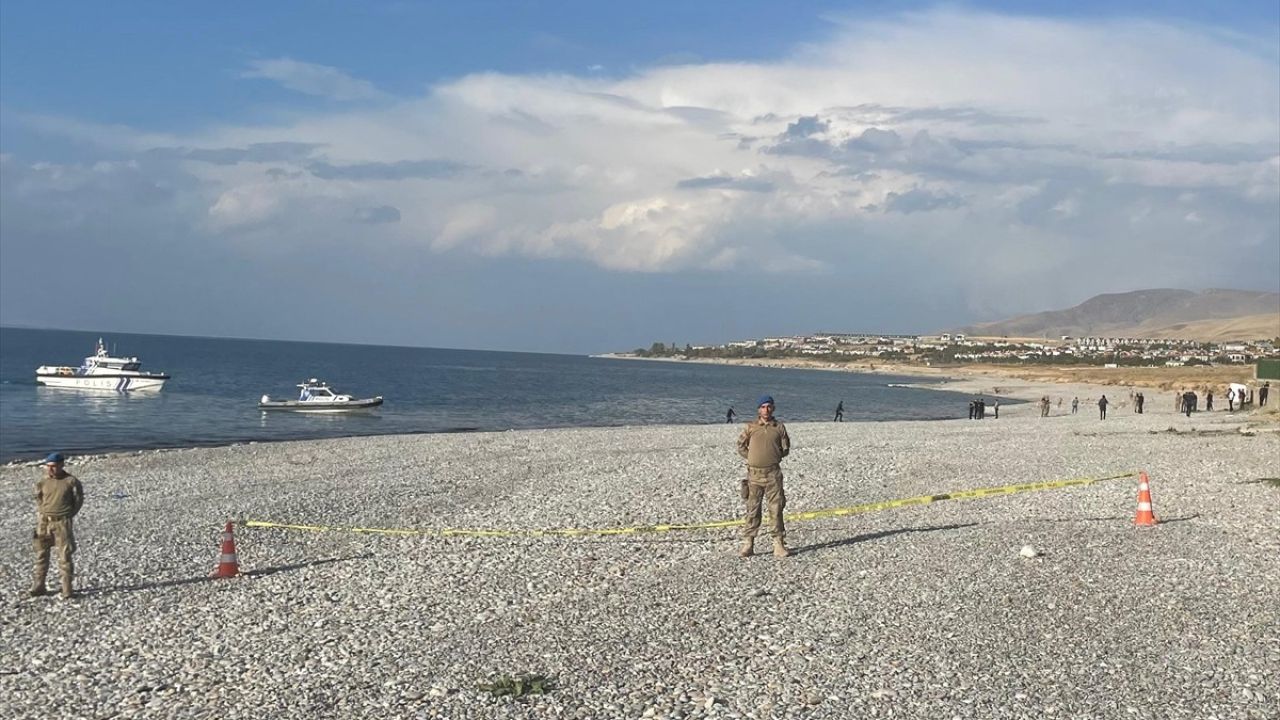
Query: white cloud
{"x":312,"y":79}
{"x":1006,"y":147}
{"x":243,"y":205}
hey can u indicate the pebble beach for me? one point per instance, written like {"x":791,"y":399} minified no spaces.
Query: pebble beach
{"x":932,"y":611}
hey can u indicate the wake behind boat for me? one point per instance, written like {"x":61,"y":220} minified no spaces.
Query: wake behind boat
{"x":317,"y":396}
{"x":101,"y":371}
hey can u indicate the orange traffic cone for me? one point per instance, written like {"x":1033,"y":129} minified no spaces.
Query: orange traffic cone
{"x":228,"y":564}
{"x":1145,"y":516}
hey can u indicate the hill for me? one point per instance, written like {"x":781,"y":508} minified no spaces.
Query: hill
{"x":1160,"y":313}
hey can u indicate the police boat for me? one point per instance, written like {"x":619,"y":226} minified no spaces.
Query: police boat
{"x":317,"y":396}
{"x":101,"y":371}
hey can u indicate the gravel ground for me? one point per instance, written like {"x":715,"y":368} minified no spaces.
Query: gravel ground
{"x":926,"y":612}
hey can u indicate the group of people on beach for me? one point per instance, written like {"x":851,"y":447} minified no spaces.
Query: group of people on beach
{"x":1046,"y":404}
{"x":1188,"y":401}
{"x":978,"y":409}
{"x":1185,"y":401}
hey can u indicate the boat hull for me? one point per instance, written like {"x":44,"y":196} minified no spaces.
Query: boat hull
{"x":321,"y":407}
{"x":116,"y":383}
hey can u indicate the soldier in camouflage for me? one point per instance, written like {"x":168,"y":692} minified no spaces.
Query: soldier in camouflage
{"x":58,"y":499}
{"x":763,"y":443}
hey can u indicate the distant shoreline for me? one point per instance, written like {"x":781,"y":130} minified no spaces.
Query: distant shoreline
{"x":962,"y":380}
{"x":793,"y":364}
{"x":1046,"y":379}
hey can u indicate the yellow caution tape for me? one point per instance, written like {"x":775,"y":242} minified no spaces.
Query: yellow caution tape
{"x":715,"y":525}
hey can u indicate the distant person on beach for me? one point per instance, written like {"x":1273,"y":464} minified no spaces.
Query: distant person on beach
{"x":1231,"y":399}
{"x":1102,"y":408}
{"x":996,"y":406}
{"x":1141,"y":402}
{"x":58,"y":499}
{"x":1263,"y":392}
{"x":1044,"y":406}
{"x":840,"y":411}
{"x":728,"y":416}
{"x":1188,"y":402}
{"x":973,"y":409}
{"x":1075,"y":405}
{"x":1208,"y":401}
{"x":763,"y":443}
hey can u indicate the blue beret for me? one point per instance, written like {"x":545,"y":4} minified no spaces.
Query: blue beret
{"x":765,"y":400}
{"x":54,"y":458}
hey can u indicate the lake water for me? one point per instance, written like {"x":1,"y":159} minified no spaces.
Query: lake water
{"x":216,"y":383}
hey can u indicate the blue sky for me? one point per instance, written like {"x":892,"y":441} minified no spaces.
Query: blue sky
{"x":582,"y":177}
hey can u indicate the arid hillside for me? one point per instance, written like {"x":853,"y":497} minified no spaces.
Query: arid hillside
{"x":1212,"y":315}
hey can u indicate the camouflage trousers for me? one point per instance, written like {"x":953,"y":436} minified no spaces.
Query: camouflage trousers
{"x":765,"y":484}
{"x":54,"y":533}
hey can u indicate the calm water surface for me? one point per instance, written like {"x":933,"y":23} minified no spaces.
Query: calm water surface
{"x":212,"y":397}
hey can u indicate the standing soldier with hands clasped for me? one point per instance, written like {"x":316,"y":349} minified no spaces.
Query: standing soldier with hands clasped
{"x":58,"y":499}
{"x":763,"y":443}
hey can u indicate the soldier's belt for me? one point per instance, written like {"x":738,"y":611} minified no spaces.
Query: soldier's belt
{"x":714,"y":525}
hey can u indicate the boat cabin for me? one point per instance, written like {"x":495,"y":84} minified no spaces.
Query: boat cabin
{"x":314,"y":389}
{"x":110,"y":363}
{"x":102,"y":360}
